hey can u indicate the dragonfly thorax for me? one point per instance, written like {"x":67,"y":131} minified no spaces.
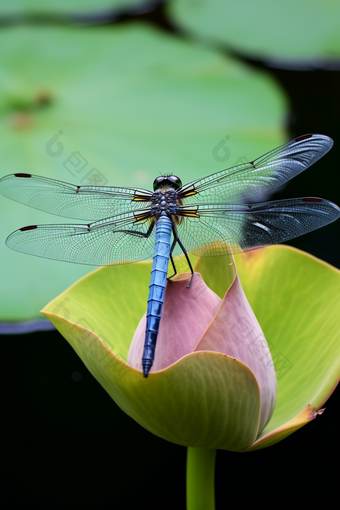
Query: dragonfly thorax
{"x":164,"y":201}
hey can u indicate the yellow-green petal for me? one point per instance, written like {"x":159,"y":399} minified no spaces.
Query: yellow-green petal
{"x":296,"y":299}
{"x":283,"y":431}
{"x":206,"y":399}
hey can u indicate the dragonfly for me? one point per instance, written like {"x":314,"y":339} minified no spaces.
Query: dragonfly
{"x":206,"y":217}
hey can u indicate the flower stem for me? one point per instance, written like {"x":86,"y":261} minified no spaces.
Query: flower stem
{"x":200,"y":479}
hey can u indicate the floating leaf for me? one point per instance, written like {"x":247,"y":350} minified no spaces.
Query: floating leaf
{"x":291,"y":33}
{"x":117,"y":107}
{"x":43,"y":7}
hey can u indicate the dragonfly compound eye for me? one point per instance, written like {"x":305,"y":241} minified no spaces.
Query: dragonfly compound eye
{"x":164,"y":179}
{"x":175,"y":180}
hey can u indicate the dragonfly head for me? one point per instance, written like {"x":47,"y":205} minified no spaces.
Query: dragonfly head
{"x":167,"y":180}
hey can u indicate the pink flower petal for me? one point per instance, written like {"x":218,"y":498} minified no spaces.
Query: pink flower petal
{"x":236,"y":332}
{"x":186,"y":315}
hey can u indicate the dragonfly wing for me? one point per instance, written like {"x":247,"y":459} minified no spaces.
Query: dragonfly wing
{"x":102,"y":243}
{"x":64,"y":199}
{"x":224,"y":229}
{"x":261,"y":175}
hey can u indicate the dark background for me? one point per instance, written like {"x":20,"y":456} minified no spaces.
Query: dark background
{"x":66,"y":444}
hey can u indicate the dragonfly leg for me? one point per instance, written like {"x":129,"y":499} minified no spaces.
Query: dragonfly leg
{"x":172,"y":260}
{"x":147,"y":234}
{"x":138,"y":234}
{"x":177,"y":240}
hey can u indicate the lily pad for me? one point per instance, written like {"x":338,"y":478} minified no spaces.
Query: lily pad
{"x":289,"y":34}
{"x":39,"y":7}
{"x":117,"y":107}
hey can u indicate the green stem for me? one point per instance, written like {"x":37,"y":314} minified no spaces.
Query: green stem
{"x":200,"y":479}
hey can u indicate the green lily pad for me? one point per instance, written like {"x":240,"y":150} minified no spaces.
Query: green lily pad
{"x":290,"y":32}
{"x":131,"y":102}
{"x":24,"y":7}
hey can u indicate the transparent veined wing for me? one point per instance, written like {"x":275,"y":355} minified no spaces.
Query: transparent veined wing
{"x":259,"y":176}
{"x":222,"y":229}
{"x":64,"y":199}
{"x":101,"y":243}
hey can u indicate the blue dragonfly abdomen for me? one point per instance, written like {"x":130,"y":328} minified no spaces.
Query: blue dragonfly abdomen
{"x":157,"y":287}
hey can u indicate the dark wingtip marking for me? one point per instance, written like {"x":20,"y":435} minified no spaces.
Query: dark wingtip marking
{"x":30,"y":227}
{"x":23,"y":175}
{"x":312,"y":200}
{"x":305,"y":137}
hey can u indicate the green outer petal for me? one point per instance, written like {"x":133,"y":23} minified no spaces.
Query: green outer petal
{"x":294,"y":30}
{"x":162,"y":104}
{"x":206,"y":399}
{"x":306,"y":415}
{"x":109,"y":301}
{"x":217,"y":272}
{"x":296,"y":299}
